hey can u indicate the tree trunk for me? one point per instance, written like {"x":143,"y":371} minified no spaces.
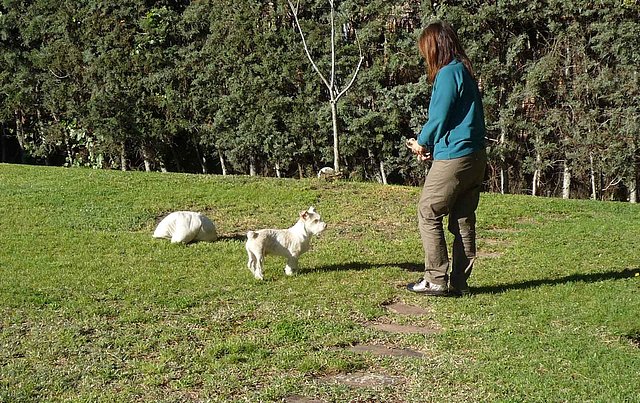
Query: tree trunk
{"x":633,"y":189}
{"x":123,"y":157}
{"x":203,"y":164}
{"x":65,"y":138}
{"x":277,"y":166}
{"x":566,"y":181}
{"x":300,"y":171}
{"x":223,"y":165}
{"x":3,"y":145}
{"x":69,"y":150}
{"x":566,"y":173}
{"x":592,"y":174}
{"x":383,"y":174}
{"x":202,"y":159}
{"x":535,"y":185}
{"x":504,"y":174}
{"x":252,"y":166}
{"x":504,"y":180}
{"x":633,"y":181}
{"x":20,"y":134}
{"x":147,"y":159}
{"x":334,"y":120}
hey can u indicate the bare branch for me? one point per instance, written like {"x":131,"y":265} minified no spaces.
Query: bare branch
{"x":333,"y":47}
{"x":57,"y":76}
{"x":355,"y":73}
{"x":304,"y":44}
{"x":614,"y":182}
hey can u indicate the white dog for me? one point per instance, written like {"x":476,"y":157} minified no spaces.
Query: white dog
{"x":326,"y":172}
{"x":290,"y":243}
{"x":186,"y":226}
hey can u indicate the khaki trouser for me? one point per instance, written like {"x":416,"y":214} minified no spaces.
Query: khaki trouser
{"x":452,"y":187}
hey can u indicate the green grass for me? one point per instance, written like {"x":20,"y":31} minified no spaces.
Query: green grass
{"x":93,"y":309}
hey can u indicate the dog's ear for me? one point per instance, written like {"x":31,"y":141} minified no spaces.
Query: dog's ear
{"x":312,"y":209}
{"x":304,"y":215}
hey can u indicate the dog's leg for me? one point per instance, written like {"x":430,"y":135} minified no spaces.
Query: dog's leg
{"x":251,"y":264}
{"x":257,"y":273}
{"x":256,"y":255}
{"x":292,"y":265}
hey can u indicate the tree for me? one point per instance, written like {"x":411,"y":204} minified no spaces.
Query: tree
{"x":335,"y":93}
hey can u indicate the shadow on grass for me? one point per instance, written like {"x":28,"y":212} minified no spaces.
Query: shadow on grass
{"x":239,"y":237}
{"x":583,"y":278}
{"x":497,"y":289}
{"x":360,"y":266}
{"x":634,"y":338}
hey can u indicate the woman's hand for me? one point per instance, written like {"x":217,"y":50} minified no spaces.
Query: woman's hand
{"x":422,"y":153}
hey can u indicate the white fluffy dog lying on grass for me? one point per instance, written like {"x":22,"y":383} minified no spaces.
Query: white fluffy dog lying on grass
{"x":185,"y":227}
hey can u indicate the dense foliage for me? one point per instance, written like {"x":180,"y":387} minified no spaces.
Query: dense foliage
{"x":219,"y":86}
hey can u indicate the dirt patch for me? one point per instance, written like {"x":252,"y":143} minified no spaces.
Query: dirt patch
{"x":489,"y":255}
{"x":527,"y":220}
{"x":495,"y":242}
{"x":404,"y":329}
{"x":363,"y":379}
{"x":404,"y":309}
{"x":385,"y":351}
{"x":301,"y":399}
{"x":504,"y":230}
{"x":492,"y":244}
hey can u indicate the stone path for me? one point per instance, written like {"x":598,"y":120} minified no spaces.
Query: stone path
{"x":404,"y":329}
{"x":400,"y":308}
{"x":385,"y":351}
{"x":369,"y":379}
{"x":404,"y":309}
{"x":363,"y":379}
{"x":301,"y":399}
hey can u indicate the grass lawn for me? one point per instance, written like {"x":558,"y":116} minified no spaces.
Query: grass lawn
{"x":92,"y":308}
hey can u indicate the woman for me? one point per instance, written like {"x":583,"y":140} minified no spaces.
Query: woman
{"x":454,"y":138}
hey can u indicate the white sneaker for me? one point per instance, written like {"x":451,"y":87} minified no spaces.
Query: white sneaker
{"x":427,"y":288}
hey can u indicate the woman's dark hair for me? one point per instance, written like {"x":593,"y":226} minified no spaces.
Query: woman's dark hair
{"x":439,"y":44}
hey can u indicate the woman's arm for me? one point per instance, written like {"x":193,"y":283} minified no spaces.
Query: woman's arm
{"x":443,"y":97}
